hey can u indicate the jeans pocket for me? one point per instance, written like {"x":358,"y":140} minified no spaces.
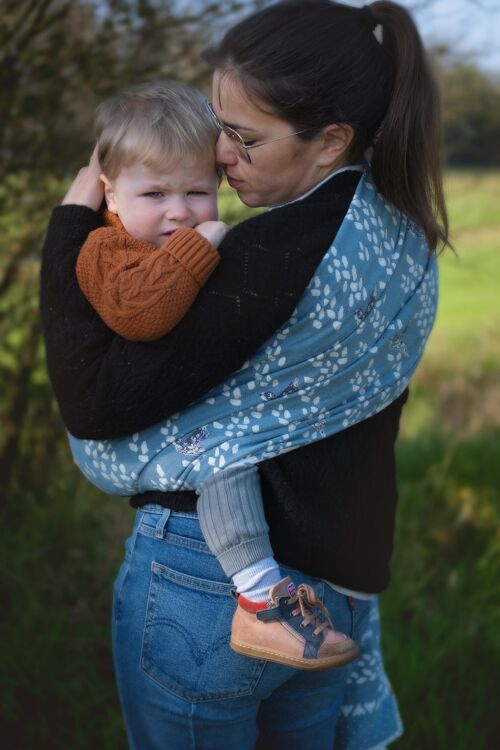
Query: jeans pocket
{"x":186,"y":639}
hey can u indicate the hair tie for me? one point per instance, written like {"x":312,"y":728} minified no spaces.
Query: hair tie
{"x":367,"y":17}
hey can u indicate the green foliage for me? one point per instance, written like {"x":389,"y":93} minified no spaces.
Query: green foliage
{"x":231,"y":209}
{"x":59,"y":553}
{"x":471,"y":113}
{"x":440,"y":621}
{"x":29,"y":426}
{"x":59,"y":59}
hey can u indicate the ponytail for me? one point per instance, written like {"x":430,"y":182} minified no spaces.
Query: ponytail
{"x":406,"y":160}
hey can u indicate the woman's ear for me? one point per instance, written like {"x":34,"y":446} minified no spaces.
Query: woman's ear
{"x":109,"y":195}
{"x":337,"y":139}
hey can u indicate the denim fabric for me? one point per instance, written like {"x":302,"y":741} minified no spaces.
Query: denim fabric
{"x":183,"y":688}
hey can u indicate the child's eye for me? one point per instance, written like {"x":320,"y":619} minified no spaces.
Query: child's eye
{"x":154,"y":194}
{"x":197,"y":192}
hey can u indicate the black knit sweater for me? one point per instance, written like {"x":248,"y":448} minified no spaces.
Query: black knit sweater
{"x":330,"y":505}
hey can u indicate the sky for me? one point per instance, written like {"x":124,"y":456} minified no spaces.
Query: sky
{"x":470,"y":27}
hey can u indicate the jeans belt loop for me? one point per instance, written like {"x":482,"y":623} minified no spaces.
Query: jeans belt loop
{"x":162,"y":522}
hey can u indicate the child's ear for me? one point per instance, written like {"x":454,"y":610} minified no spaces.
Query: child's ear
{"x":109,"y":194}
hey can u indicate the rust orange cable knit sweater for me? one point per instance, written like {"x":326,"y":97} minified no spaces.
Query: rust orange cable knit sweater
{"x":140,"y":291}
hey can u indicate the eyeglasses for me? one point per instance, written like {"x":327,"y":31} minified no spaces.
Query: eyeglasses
{"x":242,"y":145}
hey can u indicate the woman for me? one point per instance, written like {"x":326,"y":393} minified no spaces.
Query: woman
{"x":301,"y":90}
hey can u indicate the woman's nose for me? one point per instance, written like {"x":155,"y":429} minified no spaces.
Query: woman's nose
{"x":225,"y":151}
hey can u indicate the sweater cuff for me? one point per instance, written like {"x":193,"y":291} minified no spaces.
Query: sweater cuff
{"x":195,"y":253}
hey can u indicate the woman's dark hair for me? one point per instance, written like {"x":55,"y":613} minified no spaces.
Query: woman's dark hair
{"x":315,"y":62}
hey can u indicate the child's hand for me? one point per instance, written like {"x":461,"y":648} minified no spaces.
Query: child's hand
{"x":213,"y":231}
{"x":87,"y":188}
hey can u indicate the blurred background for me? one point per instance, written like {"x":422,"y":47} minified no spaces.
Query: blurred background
{"x":61,"y":540}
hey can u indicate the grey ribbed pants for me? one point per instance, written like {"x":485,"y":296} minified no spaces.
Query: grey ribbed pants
{"x":231,"y":515}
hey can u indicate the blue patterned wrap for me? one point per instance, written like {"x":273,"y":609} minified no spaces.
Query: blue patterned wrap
{"x":351,"y":346}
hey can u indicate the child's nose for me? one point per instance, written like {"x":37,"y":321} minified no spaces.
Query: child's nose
{"x":177,"y":209}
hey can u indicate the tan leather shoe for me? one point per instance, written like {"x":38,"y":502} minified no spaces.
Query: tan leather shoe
{"x":289,"y":632}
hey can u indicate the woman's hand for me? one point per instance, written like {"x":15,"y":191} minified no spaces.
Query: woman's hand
{"x":87,"y":188}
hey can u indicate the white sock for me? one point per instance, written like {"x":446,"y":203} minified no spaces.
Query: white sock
{"x":255,"y":581}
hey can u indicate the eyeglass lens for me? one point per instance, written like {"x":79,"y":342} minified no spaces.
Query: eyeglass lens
{"x":235,"y":137}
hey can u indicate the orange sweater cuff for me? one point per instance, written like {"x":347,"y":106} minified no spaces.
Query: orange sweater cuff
{"x":195,"y":253}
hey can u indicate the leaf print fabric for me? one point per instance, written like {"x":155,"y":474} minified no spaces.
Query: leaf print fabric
{"x":349,"y":349}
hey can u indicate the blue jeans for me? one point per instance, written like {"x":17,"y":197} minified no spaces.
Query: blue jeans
{"x":182,"y":688}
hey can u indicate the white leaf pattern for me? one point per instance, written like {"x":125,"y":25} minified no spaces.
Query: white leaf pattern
{"x":349,"y":349}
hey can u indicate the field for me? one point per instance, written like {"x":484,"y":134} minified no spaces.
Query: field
{"x":441,"y":616}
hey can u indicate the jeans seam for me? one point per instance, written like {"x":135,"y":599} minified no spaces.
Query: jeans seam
{"x":183,"y":579}
{"x":177,"y":539}
{"x":128,"y":561}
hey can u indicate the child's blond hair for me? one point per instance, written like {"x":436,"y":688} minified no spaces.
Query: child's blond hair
{"x":156,"y":124}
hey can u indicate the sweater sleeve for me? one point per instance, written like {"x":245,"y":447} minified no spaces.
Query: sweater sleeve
{"x":139,"y":291}
{"x":108,"y":387}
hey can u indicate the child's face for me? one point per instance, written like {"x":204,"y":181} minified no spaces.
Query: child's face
{"x":152,"y":205}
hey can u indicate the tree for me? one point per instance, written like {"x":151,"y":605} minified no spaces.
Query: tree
{"x":471,"y":115}
{"x":58,"y":59}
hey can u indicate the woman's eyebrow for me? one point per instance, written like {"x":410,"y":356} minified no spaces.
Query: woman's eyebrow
{"x":238,"y":127}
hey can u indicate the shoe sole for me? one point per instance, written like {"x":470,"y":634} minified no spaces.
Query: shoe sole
{"x":325,"y":662}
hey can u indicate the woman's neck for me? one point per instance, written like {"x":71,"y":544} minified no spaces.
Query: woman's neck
{"x":338,"y":170}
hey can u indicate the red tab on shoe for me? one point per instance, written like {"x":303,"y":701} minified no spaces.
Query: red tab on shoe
{"x":250,"y":606}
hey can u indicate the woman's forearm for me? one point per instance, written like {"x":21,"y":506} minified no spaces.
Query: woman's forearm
{"x":107,"y":387}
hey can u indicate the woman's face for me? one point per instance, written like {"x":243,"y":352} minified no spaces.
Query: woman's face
{"x":279,"y":171}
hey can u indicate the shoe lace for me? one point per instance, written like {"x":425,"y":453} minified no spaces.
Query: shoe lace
{"x":307,"y":599}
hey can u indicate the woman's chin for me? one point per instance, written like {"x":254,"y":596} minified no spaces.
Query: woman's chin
{"x":250,"y":199}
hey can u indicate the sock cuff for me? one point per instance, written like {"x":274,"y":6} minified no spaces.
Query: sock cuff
{"x":245,"y":554}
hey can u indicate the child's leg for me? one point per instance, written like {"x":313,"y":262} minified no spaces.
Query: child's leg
{"x":232,"y":519}
{"x":274,"y":620}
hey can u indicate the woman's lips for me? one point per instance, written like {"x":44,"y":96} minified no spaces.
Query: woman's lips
{"x":232,"y":182}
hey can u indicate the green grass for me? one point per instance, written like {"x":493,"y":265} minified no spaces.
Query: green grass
{"x":441,"y":614}
{"x":58,"y":558}
{"x":469,"y":307}
{"x":62,"y":542}
{"x":472,"y":199}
